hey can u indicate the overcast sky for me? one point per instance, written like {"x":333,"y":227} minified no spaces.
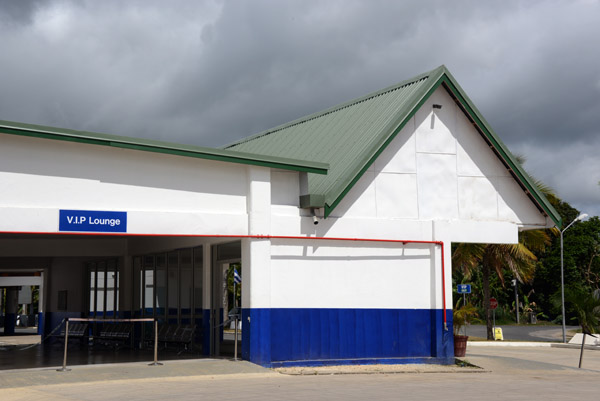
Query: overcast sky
{"x":210,"y":72}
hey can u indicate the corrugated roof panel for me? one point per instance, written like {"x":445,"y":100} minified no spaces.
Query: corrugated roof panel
{"x":351,"y":136}
{"x":342,"y":135}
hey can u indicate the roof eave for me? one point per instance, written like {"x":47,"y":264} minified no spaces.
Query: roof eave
{"x":12,"y":128}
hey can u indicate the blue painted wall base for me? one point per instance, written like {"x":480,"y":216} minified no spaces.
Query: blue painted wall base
{"x":376,"y":361}
{"x":40,"y":329}
{"x":314,"y":337}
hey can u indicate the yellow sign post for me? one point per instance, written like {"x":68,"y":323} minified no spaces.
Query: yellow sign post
{"x":498,"y":334}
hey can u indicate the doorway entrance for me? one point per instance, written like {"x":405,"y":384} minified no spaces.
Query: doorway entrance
{"x":226,"y":299}
{"x":168,"y":287}
{"x":20,"y":302}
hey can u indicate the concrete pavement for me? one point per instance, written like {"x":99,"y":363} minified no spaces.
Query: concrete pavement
{"x":513,"y":373}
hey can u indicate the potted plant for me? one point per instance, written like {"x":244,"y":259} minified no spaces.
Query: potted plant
{"x":460,"y":318}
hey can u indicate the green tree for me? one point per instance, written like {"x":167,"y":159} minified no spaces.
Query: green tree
{"x":495,"y":258}
{"x":581,"y":261}
{"x":519,"y":259}
{"x":585,"y":306}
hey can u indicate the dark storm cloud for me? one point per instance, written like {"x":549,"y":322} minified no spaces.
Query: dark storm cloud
{"x":16,"y":12}
{"x":210,"y":72}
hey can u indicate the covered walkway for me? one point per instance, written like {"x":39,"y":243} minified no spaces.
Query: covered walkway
{"x":25,"y":352}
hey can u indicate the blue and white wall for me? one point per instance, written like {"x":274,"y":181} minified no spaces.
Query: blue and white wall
{"x":349,"y":301}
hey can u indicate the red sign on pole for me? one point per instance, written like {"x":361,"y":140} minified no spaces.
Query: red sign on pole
{"x":493,"y":303}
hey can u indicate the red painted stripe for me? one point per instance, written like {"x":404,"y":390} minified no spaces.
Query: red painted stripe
{"x":441,"y":243}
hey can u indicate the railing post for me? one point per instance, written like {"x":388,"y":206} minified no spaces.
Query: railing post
{"x":236,"y":339}
{"x":64,"y":366}
{"x":155,"y":363}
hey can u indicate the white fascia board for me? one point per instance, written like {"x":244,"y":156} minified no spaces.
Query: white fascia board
{"x":348,"y":227}
{"x":479,"y":232}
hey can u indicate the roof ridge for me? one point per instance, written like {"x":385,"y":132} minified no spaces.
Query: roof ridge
{"x":336,"y":108}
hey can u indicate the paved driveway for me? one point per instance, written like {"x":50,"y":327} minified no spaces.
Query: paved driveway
{"x":509,"y":373}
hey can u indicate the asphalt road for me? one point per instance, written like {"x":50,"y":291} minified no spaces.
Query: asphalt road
{"x":525,"y":332}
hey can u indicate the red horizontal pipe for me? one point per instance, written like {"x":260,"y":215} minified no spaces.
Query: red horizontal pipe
{"x":441,"y":243}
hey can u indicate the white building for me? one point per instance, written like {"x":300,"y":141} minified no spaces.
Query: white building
{"x":115,"y":226}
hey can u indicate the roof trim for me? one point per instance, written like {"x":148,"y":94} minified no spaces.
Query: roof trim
{"x":332,"y":109}
{"x":92,"y":138}
{"x":399,"y":123}
{"x":515,"y":168}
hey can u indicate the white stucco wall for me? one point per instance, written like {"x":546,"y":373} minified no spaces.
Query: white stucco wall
{"x":163,"y":194}
{"x":436,"y":181}
{"x":439,"y":168}
{"x":335,"y":274}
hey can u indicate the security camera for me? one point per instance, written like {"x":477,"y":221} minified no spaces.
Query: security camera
{"x":315,"y":220}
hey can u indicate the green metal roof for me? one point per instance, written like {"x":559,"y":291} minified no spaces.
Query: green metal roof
{"x":274,"y":161}
{"x":352,"y":135}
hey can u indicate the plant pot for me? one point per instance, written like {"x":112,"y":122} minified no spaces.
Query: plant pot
{"x":460,"y":345}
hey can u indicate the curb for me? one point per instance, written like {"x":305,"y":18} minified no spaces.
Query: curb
{"x":576,"y":346}
{"x":382,"y":372}
{"x":465,"y":367}
{"x":508,"y":344}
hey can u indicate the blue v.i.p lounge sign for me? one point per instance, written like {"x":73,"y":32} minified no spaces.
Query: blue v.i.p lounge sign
{"x":92,"y":221}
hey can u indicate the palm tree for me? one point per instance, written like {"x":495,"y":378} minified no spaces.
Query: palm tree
{"x":494,"y":258}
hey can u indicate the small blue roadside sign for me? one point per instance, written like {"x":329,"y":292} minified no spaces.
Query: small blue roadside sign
{"x":92,"y":221}
{"x":464,"y":288}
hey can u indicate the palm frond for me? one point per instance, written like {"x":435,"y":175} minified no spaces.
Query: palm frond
{"x":466,"y":257}
{"x":586,"y":306}
{"x":535,"y":240}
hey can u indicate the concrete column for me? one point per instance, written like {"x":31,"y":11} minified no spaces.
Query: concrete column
{"x":12,"y":305}
{"x":206,"y":296}
{"x":125,"y":286}
{"x":256,"y":262}
{"x":41,"y":304}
